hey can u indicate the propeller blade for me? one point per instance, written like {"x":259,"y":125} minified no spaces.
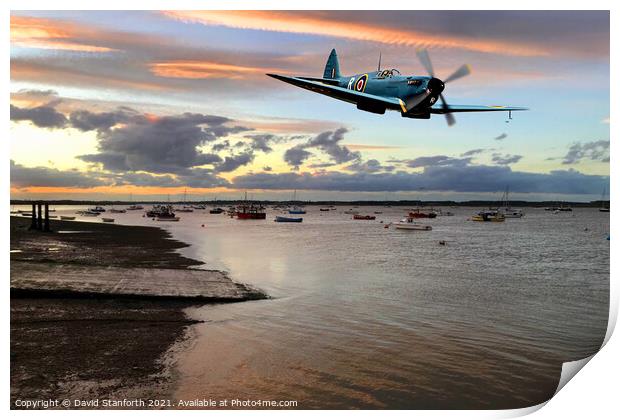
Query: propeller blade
{"x":444,"y":105}
{"x":425,"y":59}
{"x":414,"y":101}
{"x":462,"y":71}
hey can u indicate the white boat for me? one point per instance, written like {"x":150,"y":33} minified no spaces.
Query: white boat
{"x":107,"y":219}
{"x":512,"y":213}
{"x":441,"y":212}
{"x":296,"y":209}
{"x":408,"y":223}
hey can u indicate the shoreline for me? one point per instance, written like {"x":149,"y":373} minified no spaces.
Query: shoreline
{"x":99,"y":312}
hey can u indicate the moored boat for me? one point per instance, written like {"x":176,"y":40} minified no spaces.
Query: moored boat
{"x":67,"y":217}
{"x":488,"y":216}
{"x":250,"y":212}
{"x":107,"y":220}
{"x":97,"y":209}
{"x":89,"y":213}
{"x":156,"y":210}
{"x":506,"y":210}
{"x":366,"y":217}
{"x":217,"y":210}
{"x":184,"y":209}
{"x":166,"y":215}
{"x":441,"y":212}
{"x":419,"y":214}
{"x":284,"y":219}
{"x":409,"y":223}
{"x":297,"y":210}
{"x":512,"y":213}
{"x":113,"y":210}
{"x":324,"y":209}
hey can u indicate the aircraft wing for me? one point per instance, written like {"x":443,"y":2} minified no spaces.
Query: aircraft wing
{"x":338,"y":92}
{"x":438,"y":109}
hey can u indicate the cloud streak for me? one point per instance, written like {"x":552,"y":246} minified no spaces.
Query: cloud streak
{"x":34,"y":32}
{"x":594,"y":150}
{"x":323,"y":24}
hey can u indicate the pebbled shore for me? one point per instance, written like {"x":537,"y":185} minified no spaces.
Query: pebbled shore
{"x":97,"y":309}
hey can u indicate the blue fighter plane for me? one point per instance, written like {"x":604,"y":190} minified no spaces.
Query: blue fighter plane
{"x":381,"y":90}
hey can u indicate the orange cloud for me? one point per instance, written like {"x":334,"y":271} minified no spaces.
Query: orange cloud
{"x":40,"y":72}
{"x":281,"y":21}
{"x":204,"y":70}
{"x":50,"y":34}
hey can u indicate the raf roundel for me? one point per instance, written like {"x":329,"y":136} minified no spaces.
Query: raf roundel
{"x":360,"y":85}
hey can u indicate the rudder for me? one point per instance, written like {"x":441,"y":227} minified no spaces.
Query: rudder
{"x":332,"y":68}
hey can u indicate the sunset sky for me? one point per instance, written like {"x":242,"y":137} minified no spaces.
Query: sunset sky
{"x":104,"y":104}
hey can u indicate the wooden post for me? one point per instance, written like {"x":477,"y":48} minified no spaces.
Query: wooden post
{"x":39,"y":217}
{"x":33,"y":218}
{"x":46,"y":226}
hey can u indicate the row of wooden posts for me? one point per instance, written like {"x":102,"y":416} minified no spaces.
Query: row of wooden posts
{"x":39,"y":221}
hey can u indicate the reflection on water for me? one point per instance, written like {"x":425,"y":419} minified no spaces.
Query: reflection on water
{"x":368,"y":317}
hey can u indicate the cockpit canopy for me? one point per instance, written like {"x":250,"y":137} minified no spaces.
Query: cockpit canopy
{"x":386,"y":74}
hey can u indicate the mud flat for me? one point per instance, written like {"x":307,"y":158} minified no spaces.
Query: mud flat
{"x":97,"y":310}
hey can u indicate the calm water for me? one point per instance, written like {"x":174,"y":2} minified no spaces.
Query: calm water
{"x":368,"y":317}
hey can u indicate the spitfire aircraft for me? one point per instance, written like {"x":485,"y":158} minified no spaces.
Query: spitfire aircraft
{"x":381,"y":90}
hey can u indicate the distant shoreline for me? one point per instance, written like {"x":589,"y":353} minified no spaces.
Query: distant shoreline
{"x":429,"y":203}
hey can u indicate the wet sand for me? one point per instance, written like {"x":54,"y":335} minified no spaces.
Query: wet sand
{"x":90,"y":314}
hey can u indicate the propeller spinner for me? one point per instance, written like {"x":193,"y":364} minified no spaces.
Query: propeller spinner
{"x":436,"y":86}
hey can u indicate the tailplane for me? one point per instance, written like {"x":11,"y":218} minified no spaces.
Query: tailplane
{"x":332,"y":68}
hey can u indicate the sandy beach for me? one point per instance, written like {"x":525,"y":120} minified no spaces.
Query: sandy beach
{"x":97,"y":309}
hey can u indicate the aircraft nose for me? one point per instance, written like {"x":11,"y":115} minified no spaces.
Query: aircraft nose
{"x":435,"y":85}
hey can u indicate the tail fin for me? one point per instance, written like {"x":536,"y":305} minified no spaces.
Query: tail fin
{"x":332,"y":68}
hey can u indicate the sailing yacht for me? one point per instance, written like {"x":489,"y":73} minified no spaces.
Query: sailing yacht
{"x":296,"y":209}
{"x":186,"y":208}
{"x":507,"y":210}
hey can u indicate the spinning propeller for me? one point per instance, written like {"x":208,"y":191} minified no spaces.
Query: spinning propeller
{"x":437,"y":86}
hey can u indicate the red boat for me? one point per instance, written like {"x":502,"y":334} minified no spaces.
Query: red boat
{"x":250,"y":211}
{"x":360,"y":217}
{"x":417,"y":214}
